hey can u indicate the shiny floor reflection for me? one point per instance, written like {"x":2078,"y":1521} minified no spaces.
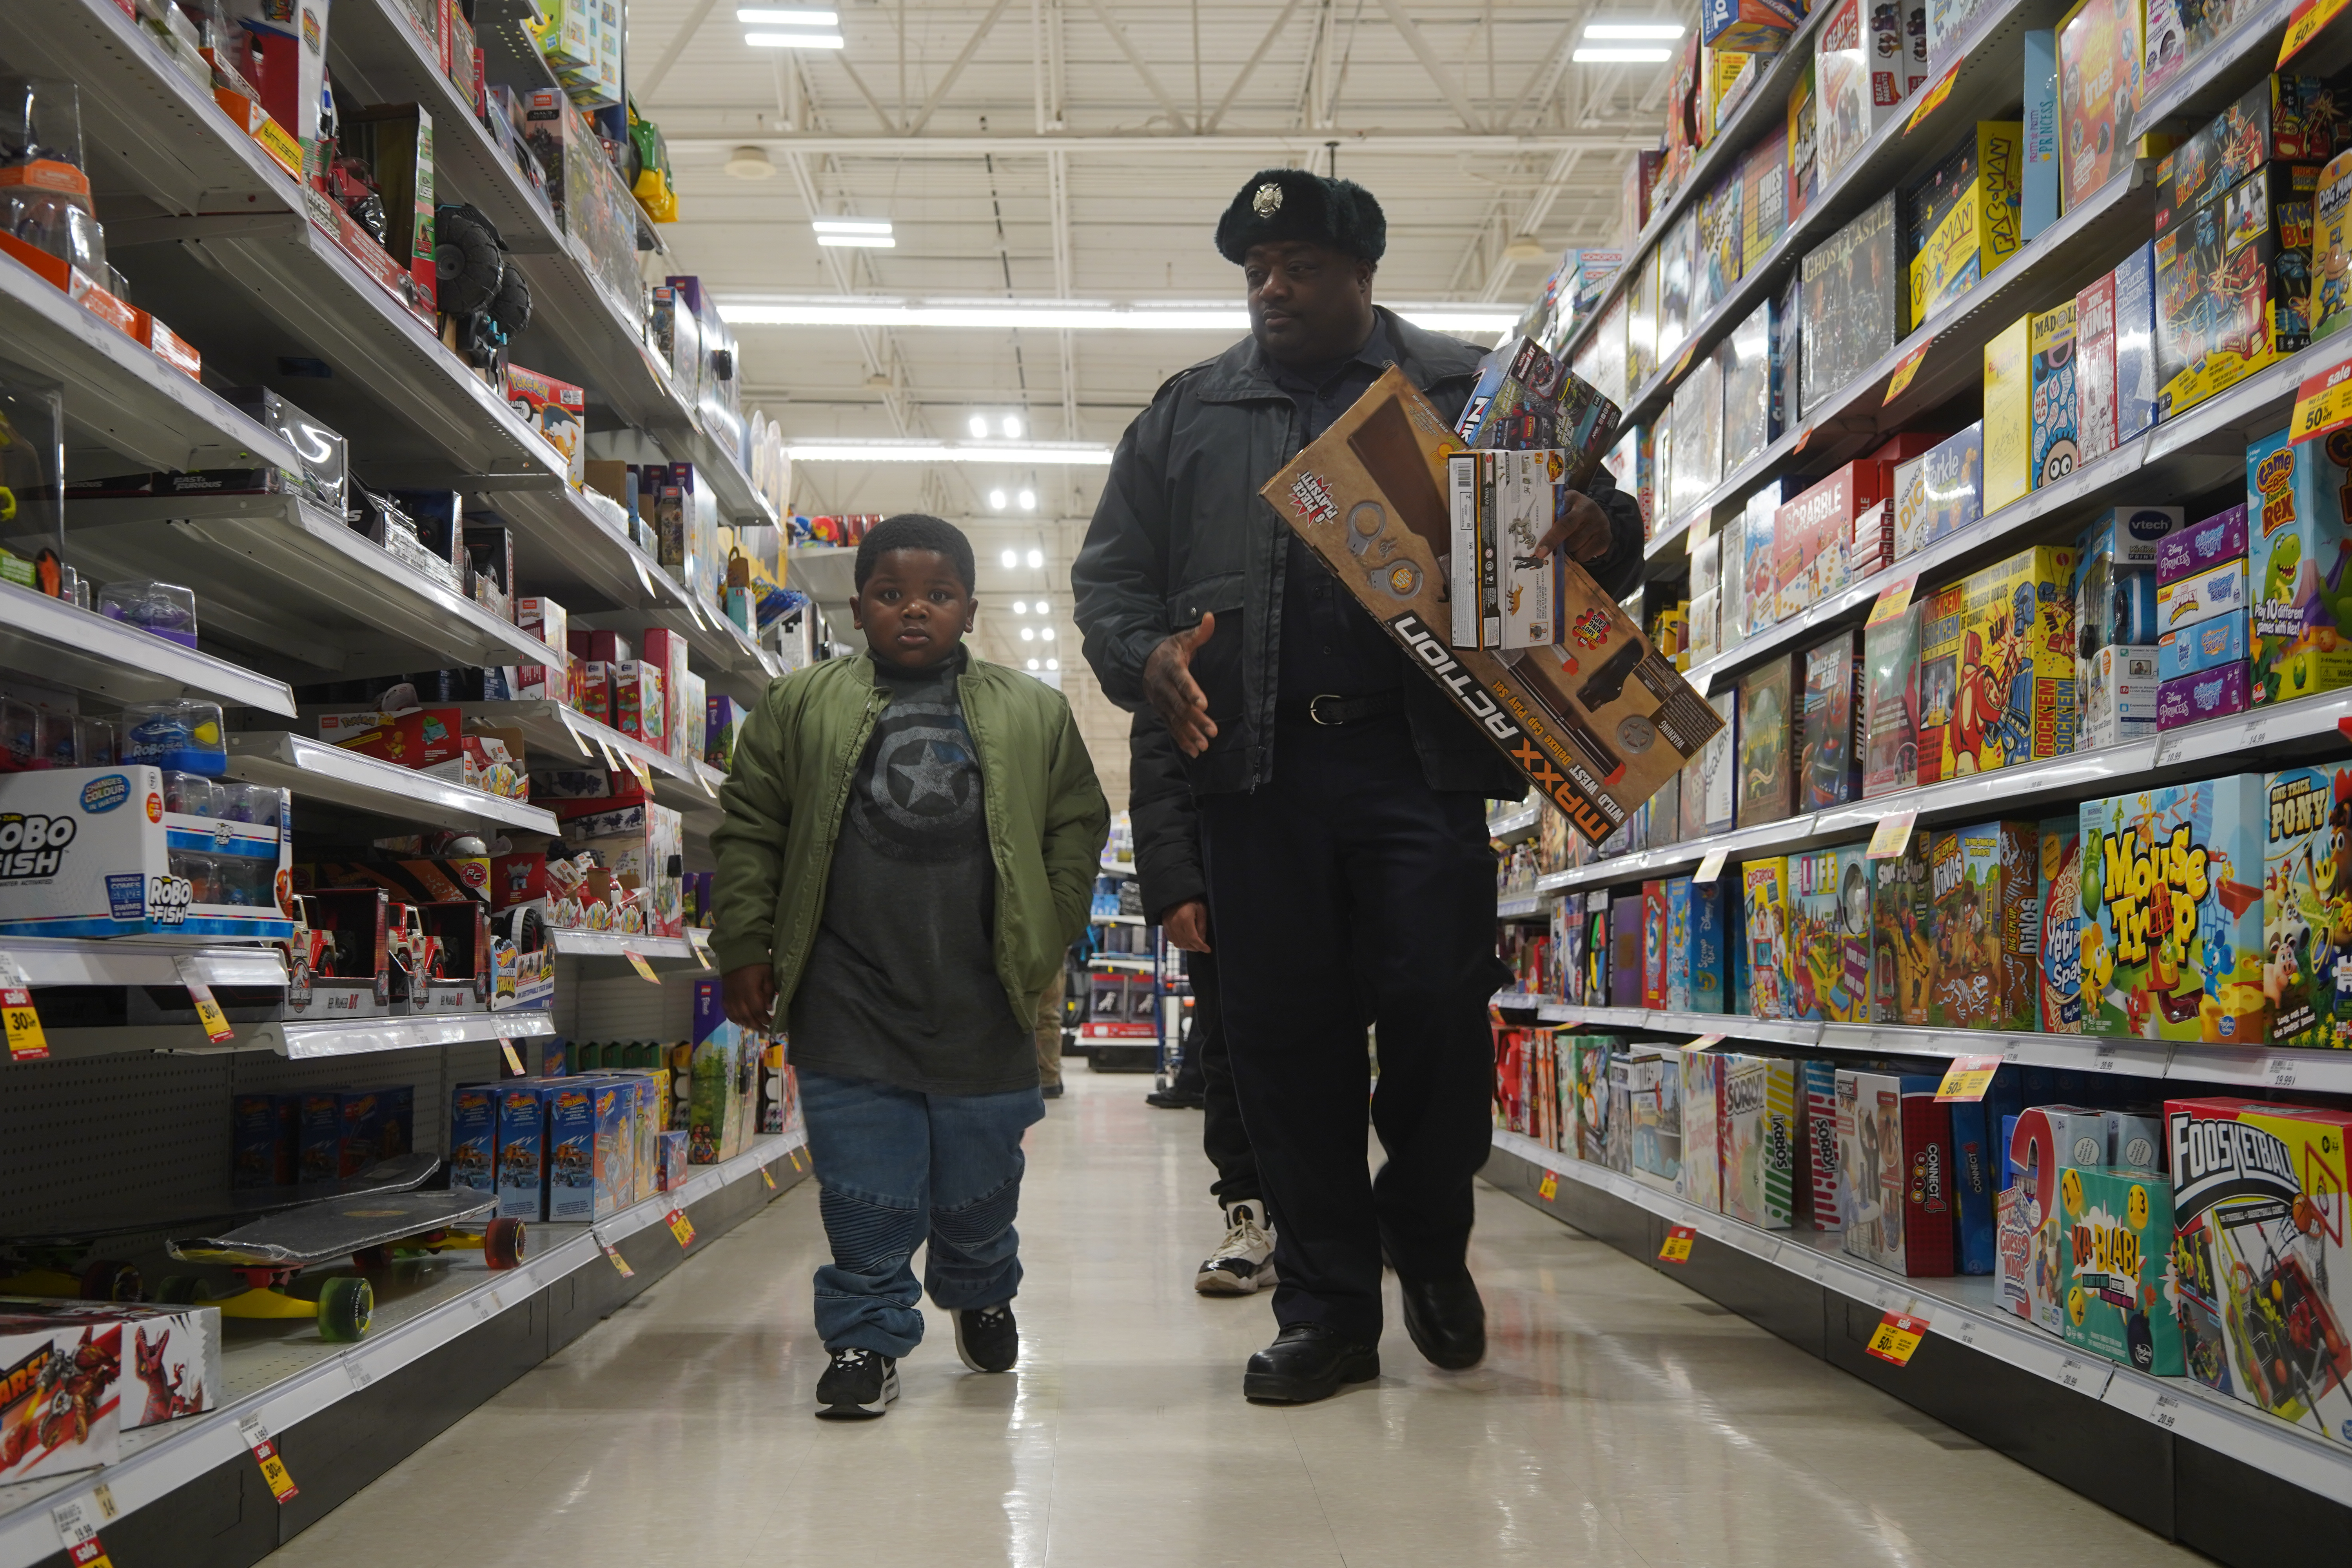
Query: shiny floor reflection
{"x":1619,"y":1419}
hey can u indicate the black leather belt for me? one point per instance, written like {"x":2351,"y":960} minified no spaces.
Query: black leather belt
{"x":1329,"y":708}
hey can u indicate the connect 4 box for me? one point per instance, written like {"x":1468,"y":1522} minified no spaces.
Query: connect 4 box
{"x":2263,"y":1286}
{"x":2173,"y":912}
{"x":1894,"y":1169}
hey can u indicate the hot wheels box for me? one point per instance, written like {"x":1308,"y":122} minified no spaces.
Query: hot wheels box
{"x":2015,"y":696}
{"x":2264,"y":1286}
{"x":474,"y":1139}
{"x":2172,"y":945}
{"x":94,"y":852}
{"x":2300,"y":595}
{"x":2308,"y":907}
{"x":1902,"y":954}
{"x":1983,"y":888}
{"x":523,"y":1116}
{"x":1830,"y":935}
{"x":1764,"y":924}
{"x":572,"y":1150}
{"x":1597,"y":723}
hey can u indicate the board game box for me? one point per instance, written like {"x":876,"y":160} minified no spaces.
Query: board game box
{"x":1625,"y":949}
{"x":2058,"y":892}
{"x":1820,"y":1193}
{"x":1762,"y":1140}
{"x":1653,"y":1113}
{"x":1764,"y":925}
{"x":2015,"y":697}
{"x":2056,"y":448}
{"x":2308,"y":907}
{"x":1830,"y":935}
{"x":1700,"y":1180}
{"x":1654,"y":944}
{"x":2298,"y":591}
{"x":1763,"y":196}
{"x":1857,"y":90}
{"x":1902,"y":954}
{"x":2171,"y":928}
{"x":2119,"y":1302}
{"x":1963,"y":218}
{"x":1853,"y":300}
{"x":1697,"y":972}
{"x":1744,"y":364}
{"x":1587,"y":1087}
{"x":2098,"y":83}
{"x":1895,"y":1166}
{"x":1890,"y":664}
{"x":2007,"y":450}
{"x":1829,"y":726}
{"x":1698,"y":435}
{"x":1939,"y":679}
{"x":1766,"y":738}
{"x":1983,"y":883}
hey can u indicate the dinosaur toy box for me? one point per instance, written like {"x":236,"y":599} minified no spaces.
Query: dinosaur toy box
{"x":170,"y":1361}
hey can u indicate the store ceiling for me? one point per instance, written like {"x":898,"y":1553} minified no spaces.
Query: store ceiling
{"x":1044,"y":150}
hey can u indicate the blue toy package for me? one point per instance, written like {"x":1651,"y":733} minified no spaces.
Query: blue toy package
{"x":2038,"y":183}
{"x":1975,"y":1181}
{"x":319,"y":1138}
{"x":1708,"y":954}
{"x":474,"y":1139}
{"x":555,"y":1059}
{"x":572,"y":1150}
{"x":522,"y":1184}
{"x":1679,"y":954}
{"x":262,"y":1141}
{"x":180,"y":734}
{"x":615,"y":1160}
{"x":2207,"y":645}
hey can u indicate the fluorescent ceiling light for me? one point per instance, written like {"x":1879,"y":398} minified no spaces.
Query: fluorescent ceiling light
{"x":1621,"y":57}
{"x":793,"y":41}
{"x":766,"y":17}
{"x":1013,"y":426}
{"x":978,"y":426}
{"x":996,"y":500}
{"x":1028,"y":500}
{"x":1063,"y":315}
{"x":1032,"y":664}
{"x":1038,"y":557}
{"x":1061,"y":454}
{"x":1020,"y":606}
{"x":1633,"y":30}
{"x":850,"y":224}
{"x":1047,"y":633}
{"x":1053,"y":664}
{"x":1028,"y":634}
{"x":859,"y":241}
{"x":1011,"y":558}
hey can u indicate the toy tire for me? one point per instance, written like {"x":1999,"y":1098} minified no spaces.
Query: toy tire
{"x":510,"y":306}
{"x":105,"y":1279}
{"x":180,"y":1290}
{"x":346,"y":1307}
{"x":467,"y":266}
{"x":502,"y":1243}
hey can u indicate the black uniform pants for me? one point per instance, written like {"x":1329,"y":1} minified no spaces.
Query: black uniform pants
{"x":1345,"y":892}
{"x":1209,"y":1063}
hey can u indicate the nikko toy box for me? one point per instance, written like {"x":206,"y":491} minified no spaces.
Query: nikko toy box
{"x":1760,"y":1133}
{"x":1700,"y":1179}
{"x":93,"y":852}
{"x":1962,"y":216}
{"x":572,"y":1150}
{"x":473,"y":1146}
{"x":1902,"y":955}
{"x":2308,"y":907}
{"x":522,"y":1186}
{"x":2259,"y":1213}
{"x":1983,"y":883}
{"x":1764,"y":924}
{"x":2173,"y":912}
{"x":1894,"y":1167}
{"x":1596,"y":723}
{"x":2119,"y":1300}
{"x":2300,"y":600}
{"x":1829,"y":935}
{"x":2058,"y":898}
{"x":1767,"y":742}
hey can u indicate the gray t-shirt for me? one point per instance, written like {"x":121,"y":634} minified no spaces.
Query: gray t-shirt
{"x":901,"y":985}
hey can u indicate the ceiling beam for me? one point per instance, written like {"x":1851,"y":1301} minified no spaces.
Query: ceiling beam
{"x":1435,"y":67}
{"x":971,"y":46}
{"x":1012,"y":144}
{"x":644,"y":86}
{"x":1249,"y":66}
{"x":1134,"y":57}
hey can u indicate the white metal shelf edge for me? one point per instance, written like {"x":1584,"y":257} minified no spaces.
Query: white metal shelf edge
{"x":309,"y":766}
{"x":81,"y":634}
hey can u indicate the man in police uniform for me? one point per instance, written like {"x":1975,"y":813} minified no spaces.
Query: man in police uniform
{"x":1341,"y":797}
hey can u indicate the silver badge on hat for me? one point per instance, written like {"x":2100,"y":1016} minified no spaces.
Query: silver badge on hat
{"x":1266,"y":200}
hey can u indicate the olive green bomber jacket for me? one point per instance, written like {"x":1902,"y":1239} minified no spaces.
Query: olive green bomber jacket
{"x":794,"y":763}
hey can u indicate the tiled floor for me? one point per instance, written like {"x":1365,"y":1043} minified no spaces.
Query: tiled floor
{"x":1619,"y":1420}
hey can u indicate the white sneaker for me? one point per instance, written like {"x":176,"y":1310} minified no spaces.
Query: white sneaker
{"x":1243,"y":1263}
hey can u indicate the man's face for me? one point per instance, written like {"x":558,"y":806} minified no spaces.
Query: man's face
{"x":914,"y":609}
{"x":1307,"y":304}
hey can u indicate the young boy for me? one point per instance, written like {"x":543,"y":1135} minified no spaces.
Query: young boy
{"x":911,"y":840}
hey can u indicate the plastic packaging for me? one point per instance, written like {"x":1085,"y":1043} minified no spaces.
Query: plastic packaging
{"x":193,"y":794}
{"x":22,"y":727}
{"x":253,"y":803}
{"x":44,"y":192}
{"x":162,"y":609}
{"x":95,"y":745}
{"x":183,"y":734}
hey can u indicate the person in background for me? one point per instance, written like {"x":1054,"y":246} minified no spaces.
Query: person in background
{"x":1175,"y":899}
{"x":910,"y":841}
{"x":1342,"y":796}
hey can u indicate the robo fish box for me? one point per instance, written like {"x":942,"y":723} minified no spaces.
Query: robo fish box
{"x":95,"y":852}
{"x":2258,"y":1217}
{"x":1597,"y":723}
{"x":2173,"y":912}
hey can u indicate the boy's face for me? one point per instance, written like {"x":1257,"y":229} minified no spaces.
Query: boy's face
{"x":914,"y":609}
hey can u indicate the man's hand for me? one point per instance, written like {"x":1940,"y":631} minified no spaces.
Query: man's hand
{"x":1187,"y":925}
{"x":1583,"y":530}
{"x":1175,"y":695}
{"x":752,"y":997}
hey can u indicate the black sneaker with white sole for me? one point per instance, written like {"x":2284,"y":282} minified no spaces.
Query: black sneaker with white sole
{"x":1243,"y":1263}
{"x":858,"y":1386}
{"x":987,"y":1338}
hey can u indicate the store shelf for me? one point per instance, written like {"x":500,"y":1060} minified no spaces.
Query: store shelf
{"x":689,"y":785}
{"x":1513,"y":823}
{"x":315,"y":770}
{"x":297,"y":1040}
{"x":278,"y":574}
{"x":141,"y":961}
{"x":1122,"y":960}
{"x":615,"y":946}
{"x":64,"y":643}
{"x":1963,"y":1308}
{"x":1519,"y":903}
{"x":288,"y":1381}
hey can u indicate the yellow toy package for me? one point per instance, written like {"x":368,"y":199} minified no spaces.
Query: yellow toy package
{"x":2014,"y":697}
{"x":1764,"y":908}
{"x":2008,"y":415}
{"x":2173,"y":912}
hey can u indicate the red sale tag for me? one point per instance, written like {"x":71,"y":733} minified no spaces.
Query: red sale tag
{"x":264,"y":1454}
{"x":1969,"y":1077}
{"x":1909,"y":367}
{"x":1897,"y":1335}
{"x":1677,"y":1249}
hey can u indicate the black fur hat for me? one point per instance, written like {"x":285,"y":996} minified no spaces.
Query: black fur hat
{"x":1278,"y":205}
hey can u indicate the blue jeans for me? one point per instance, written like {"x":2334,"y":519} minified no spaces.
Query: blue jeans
{"x":896,"y":1166}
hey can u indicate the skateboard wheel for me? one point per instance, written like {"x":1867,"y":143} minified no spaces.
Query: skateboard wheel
{"x":105,"y":1279}
{"x":346,"y":1307}
{"x":180,"y":1290}
{"x":502,"y":1243}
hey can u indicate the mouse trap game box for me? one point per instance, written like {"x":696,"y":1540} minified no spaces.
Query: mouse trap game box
{"x":1597,"y":721}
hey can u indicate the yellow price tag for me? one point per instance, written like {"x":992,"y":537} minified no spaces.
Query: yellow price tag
{"x":1893,"y":600}
{"x":637,"y":962}
{"x":619,"y":1262}
{"x":1893,"y":834}
{"x":264,"y":1454}
{"x":768,"y":1177}
{"x":88,"y":1554}
{"x":2304,"y":24}
{"x":1710,"y":866}
{"x":1804,"y":437}
{"x":1549,"y":1188}
{"x":1898,"y":384}
{"x":283,"y":147}
{"x":1683,"y":363}
{"x":26,"y":1041}
{"x":2321,"y":403}
{"x":1969,"y":1077}
{"x":1897,"y":1335}
{"x":514,"y":1061}
{"x":200,"y":996}
{"x":637,"y":766}
{"x":680,"y":1227}
{"x":796,"y":1159}
{"x":1933,"y":98}
{"x":1677,"y":1249}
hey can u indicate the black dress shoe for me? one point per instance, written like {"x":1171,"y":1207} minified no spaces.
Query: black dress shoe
{"x":1447,"y":1320}
{"x":1307,"y":1362}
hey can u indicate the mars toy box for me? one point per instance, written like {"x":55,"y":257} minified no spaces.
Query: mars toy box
{"x":2015,"y":698}
{"x":474,"y":1139}
{"x":1596,"y":723}
{"x":1700,"y":1179}
{"x":1964,"y":217}
{"x":2308,"y":907}
{"x":1890,"y":719}
{"x":572,"y":1150}
{"x":1653,"y":1110}
{"x":1765,"y":743}
{"x":2119,"y":1301}
{"x":1829,"y":935}
{"x":1764,"y":924}
{"x":1829,"y":727}
{"x":1985,"y":925}
{"x":2173,"y":912}
{"x":94,"y":852}
{"x":1902,"y":956}
{"x":1895,"y":1163}
{"x":2298,"y":592}
{"x":2057,"y":895}
{"x":2258,"y":1217}
{"x":60,"y":1403}
{"x":524,"y":1113}
{"x":1760,"y":1133}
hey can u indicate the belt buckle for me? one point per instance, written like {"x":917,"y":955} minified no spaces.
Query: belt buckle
{"x":1314,"y":709}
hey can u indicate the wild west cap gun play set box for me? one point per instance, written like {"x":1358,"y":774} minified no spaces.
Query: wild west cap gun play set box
{"x":1598,"y":720}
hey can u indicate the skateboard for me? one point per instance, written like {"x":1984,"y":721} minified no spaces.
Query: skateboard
{"x":72,"y":1263}
{"x":270,"y":1253}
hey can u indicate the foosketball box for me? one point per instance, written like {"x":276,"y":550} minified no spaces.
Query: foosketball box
{"x":2173,"y":912}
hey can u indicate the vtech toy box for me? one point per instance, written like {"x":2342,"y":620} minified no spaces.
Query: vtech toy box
{"x":91,"y":852}
{"x":2173,"y":911}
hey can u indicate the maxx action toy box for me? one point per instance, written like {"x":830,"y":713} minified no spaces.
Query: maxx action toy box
{"x":2308,"y":907}
{"x":2173,"y":912}
{"x":1985,"y":925}
{"x":1829,"y":935}
{"x":2264,"y":1286}
{"x":1596,"y":723}
{"x":93,"y":852}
